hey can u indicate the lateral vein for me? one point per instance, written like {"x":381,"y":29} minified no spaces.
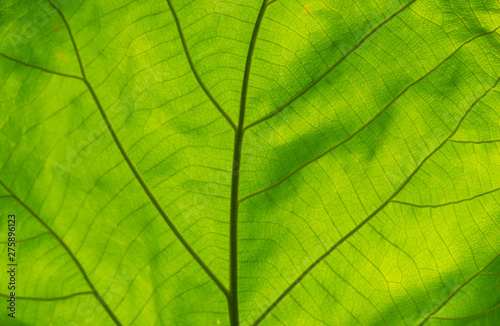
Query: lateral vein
{"x":39,"y":68}
{"x":469,"y":316}
{"x":477,"y":142}
{"x":194,"y":70}
{"x":446,"y":204}
{"x":27,"y":239}
{"x":49,"y":299}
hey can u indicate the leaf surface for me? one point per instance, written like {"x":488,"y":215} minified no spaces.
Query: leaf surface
{"x":271,"y":162}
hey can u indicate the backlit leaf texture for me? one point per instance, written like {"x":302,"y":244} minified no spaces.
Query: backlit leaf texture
{"x":249,"y":162}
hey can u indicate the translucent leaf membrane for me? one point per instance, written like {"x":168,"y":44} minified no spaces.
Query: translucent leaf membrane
{"x":350,"y":149}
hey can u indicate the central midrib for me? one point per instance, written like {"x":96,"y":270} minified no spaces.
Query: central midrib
{"x":238,"y":144}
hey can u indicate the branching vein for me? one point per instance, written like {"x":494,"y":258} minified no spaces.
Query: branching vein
{"x":65,"y":297}
{"x":70,"y":253}
{"x":39,"y":68}
{"x":193,"y":68}
{"x":447,"y":204}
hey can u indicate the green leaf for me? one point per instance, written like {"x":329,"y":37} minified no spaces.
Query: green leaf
{"x":276,"y":162}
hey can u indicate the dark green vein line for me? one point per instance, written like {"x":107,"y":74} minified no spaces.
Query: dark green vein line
{"x":455,"y":292}
{"x":446,"y":204}
{"x":193,"y":68}
{"x":238,"y":141}
{"x":48,"y":299}
{"x":70,"y":253}
{"x":366,"y":124}
{"x":348,"y":53}
{"x":366,"y":220}
{"x":138,"y":176}
{"x":27,"y":239}
{"x":475,"y":142}
{"x":470,"y":316}
{"x":71,"y":37}
{"x":39,"y":68}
